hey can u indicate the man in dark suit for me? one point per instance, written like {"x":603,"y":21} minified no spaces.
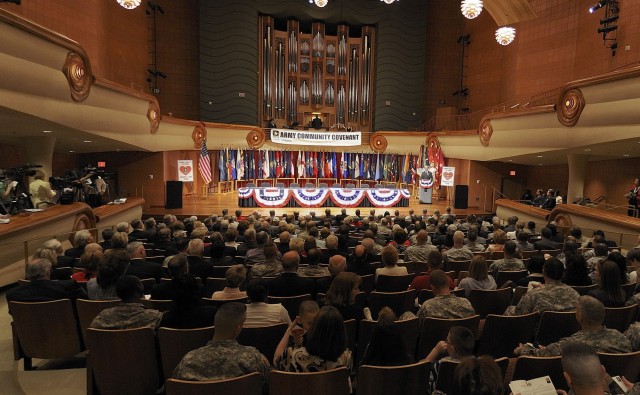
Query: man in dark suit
{"x":546,"y":243}
{"x":283,"y":242}
{"x":138,"y":266}
{"x":177,"y":266}
{"x":80,"y":240}
{"x":41,"y":289}
{"x":249,"y":242}
{"x":198,"y":266}
{"x":164,"y":245}
{"x":289,"y":283}
{"x":137,"y":233}
{"x":218,"y":257}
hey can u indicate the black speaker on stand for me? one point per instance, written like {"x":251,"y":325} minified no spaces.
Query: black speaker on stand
{"x":173,"y":195}
{"x":461,"y":197}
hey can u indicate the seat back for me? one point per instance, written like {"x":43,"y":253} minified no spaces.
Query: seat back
{"x":527,"y":368}
{"x":407,"y":329}
{"x":627,"y":364}
{"x":265,"y":338}
{"x":111,"y":369}
{"x":518,"y":292}
{"x":393,"y":283}
{"x":394,"y":380}
{"x":487,"y":302}
{"x":249,"y":384}
{"x":399,"y":302}
{"x":458,"y":266}
{"x":158,"y":304}
{"x":620,"y":317}
{"x":444,"y":381}
{"x":175,"y":343}
{"x":510,"y":275}
{"x":368,"y":283}
{"x":291,"y":303}
{"x":220,"y":302}
{"x":46,"y":330}
{"x":501,"y":334}
{"x":89,"y":309}
{"x":334,"y":382}
{"x":584,"y":289}
{"x":427,"y":294}
{"x":351,"y":329}
{"x":221,"y":271}
{"x":554,"y":325}
{"x":436,"y":329}
{"x":214,"y":284}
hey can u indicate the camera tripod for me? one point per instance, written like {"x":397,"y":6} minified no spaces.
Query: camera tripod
{"x":21,"y":198}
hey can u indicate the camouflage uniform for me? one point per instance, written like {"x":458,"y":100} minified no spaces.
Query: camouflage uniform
{"x":506,"y":264}
{"x":458,"y":254}
{"x":313,"y":271}
{"x":127,"y":316}
{"x":475,"y":247}
{"x":553,"y":296}
{"x":418,"y":253}
{"x":602,"y":340}
{"x":633,"y":334}
{"x":266,"y":269}
{"x":221,"y":359}
{"x":635,"y":299}
{"x":446,"y":306}
{"x":635,"y":390}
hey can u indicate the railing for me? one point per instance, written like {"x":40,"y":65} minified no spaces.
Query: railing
{"x":494,"y":195}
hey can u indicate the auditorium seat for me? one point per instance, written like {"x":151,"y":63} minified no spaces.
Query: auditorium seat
{"x":408,"y":330}
{"x":393,"y":380}
{"x":175,"y":343}
{"x":249,"y":384}
{"x":436,"y":329}
{"x":334,"y":382}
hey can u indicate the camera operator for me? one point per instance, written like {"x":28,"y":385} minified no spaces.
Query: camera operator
{"x":6,"y":187}
{"x":40,"y":190}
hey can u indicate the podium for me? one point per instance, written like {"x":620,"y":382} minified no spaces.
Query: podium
{"x":425,"y":194}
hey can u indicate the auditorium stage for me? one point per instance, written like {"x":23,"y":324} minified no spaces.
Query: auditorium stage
{"x":213,"y":204}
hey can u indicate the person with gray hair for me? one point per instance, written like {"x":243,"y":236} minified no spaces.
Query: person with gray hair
{"x":80,"y":240}
{"x":41,"y":288}
{"x":138,"y":264}
{"x":198,"y":266}
{"x":56,"y":246}
{"x":590,"y":316}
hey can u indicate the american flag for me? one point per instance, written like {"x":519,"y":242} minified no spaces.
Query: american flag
{"x":204,"y":163}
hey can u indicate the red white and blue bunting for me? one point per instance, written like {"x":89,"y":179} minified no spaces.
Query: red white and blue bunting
{"x":272,"y":197}
{"x":347,"y":197}
{"x":310,"y":197}
{"x":316,"y":197}
{"x":387,"y":197}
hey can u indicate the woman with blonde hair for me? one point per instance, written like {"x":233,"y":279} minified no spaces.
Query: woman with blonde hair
{"x":479,"y":277}
{"x":499,"y":238}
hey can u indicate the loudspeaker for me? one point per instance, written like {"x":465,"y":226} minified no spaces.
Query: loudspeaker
{"x":461,"y":197}
{"x":174,"y":194}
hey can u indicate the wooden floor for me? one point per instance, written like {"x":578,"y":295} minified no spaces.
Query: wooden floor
{"x":214,"y":204}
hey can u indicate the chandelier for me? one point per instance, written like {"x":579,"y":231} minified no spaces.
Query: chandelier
{"x":389,"y":1}
{"x":129,"y":4}
{"x":505,"y":35}
{"x":470,"y":8}
{"x":319,"y":3}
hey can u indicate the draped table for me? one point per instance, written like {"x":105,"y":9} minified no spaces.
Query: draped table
{"x":322,"y":197}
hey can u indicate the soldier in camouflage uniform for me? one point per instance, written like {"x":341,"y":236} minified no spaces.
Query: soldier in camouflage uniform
{"x":131,"y":313}
{"x":444,"y":304}
{"x":590,"y":316}
{"x":459,"y":252}
{"x":222,"y":357}
{"x":633,"y":334}
{"x":553,"y":296}
{"x":419,"y":251}
{"x":509,"y":262}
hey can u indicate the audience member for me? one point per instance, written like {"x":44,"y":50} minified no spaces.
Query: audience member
{"x":434,"y":262}
{"x":90,"y":261}
{"x":103,"y":287}
{"x":479,"y":277}
{"x":609,"y":291}
{"x":222,"y":357}
{"x":234,"y":276}
{"x":576,"y":273}
{"x":536,"y":263}
{"x":342,"y":296}
{"x":582,"y":370}
{"x":259,"y":313}
{"x":510,"y":262}
{"x":131,"y":313}
{"x":337,"y":265}
{"x":390,"y":260}
{"x":360,"y":262}
{"x":289,"y":283}
{"x":177,"y":266}
{"x":313,"y":268}
{"x":188,"y":312}
{"x":139,"y":266}
{"x":477,"y":376}
{"x":444,"y":304}
{"x":459,"y":252}
{"x":271,"y":267}
{"x":80,"y":240}
{"x":198,"y":266}
{"x":41,"y":288}
{"x":386,"y":347}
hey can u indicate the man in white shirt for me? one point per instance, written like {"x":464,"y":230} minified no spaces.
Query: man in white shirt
{"x":260,"y":313}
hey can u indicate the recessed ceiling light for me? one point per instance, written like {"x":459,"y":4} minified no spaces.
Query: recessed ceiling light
{"x":510,"y":160}
{"x":72,"y":151}
{"x":539,"y":156}
{"x":626,"y":155}
{"x":47,"y":131}
{"x":87,"y":141}
{"x":587,"y":150}
{"x":539,"y":164}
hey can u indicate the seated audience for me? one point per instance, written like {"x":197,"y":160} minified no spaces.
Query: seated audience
{"x":553,"y":295}
{"x":337,"y":265}
{"x":112,"y":267}
{"x":477,"y":376}
{"x":222,"y":357}
{"x":458,"y":345}
{"x":307,"y":312}
{"x":590,"y":316}
{"x":131,"y":313}
{"x":386,"y":347}
{"x":360,"y":262}
{"x":499,"y":238}
{"x":289,"y":283}
{"x":217,"y":254}
{"x":188,"y":311}
{"x":576,"y":273}
{"x":313,"y":268}
{"x":458,"y":252}
{"x":536,"y":263}
{"x":198,"y":265}
{"x":390,"y":261}
{"x":444,"y":304}
{"x":80,"y":240}
{"x":259,"y":312}
{"x":473,"y":243}
{"x":522,"y":241}
{"x":582,"y":370}
{"x":479,"y":277}
{"x":41,"y":288}
{"x":545,"y":243}
{"x":271,"y":267}
{"x":510,"y":262}
{"x":234,"y":276}
{"x":419,"y":251}
{"x":342,"y":295}
{"x":609,"y":291}
{"x":177,"y":266}
{"x":325,"y":348}
{"x":434,"y":262}
{"x":139,"y":266}
{"x":90,"y":261}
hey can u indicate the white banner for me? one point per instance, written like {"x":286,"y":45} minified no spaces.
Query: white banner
{"x":448,"y":174}
{"x":306,"y":137}
{"x":185,"y":170}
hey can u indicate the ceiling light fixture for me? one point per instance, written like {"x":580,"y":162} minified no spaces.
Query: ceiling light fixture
{"x":471,"y":8}
{"x":597,"y":6}
{"x":319,"y":3}
{"x":505,"y":35}
{"x":47,"y":131}
{"x":389,"y":1}
{"x":87,"y":141}
{"x":129,"y":4}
